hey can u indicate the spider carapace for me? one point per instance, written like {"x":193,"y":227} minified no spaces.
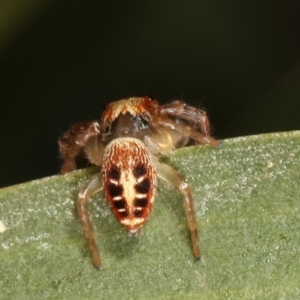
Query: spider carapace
{"x":126,"y":144}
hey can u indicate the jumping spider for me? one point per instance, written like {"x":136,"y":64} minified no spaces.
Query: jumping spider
{"x":125,"y":143}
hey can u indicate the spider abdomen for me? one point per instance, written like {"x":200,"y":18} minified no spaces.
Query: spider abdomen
{"x":129,"y":181}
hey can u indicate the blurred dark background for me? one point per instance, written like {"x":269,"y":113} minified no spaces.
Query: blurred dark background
{"x":61,"y":61}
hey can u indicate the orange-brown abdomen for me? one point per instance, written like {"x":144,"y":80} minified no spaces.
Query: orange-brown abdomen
{"x":129,"y":181}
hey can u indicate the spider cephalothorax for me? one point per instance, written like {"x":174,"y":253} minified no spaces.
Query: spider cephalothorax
{"x":143,"y":108}
{"x":126,"y":142}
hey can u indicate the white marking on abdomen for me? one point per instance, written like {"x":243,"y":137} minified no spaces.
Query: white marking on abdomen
{"x":140,"y":179}
{"x":141,"y":196}
{"x":132,"y":222}
{"x":115,"y":182}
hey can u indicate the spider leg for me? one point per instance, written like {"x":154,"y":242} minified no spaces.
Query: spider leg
{"x":168,"y":174}
{"x":186,"y":112}
{"x":73,"y":141}
{"x":187,"y":121}
{"x":184,"y":131}
{"x":92,"y":187}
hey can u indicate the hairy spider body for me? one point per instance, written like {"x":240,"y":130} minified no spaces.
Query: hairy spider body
{"x":125,"y":143}
{"x":129,"y":181}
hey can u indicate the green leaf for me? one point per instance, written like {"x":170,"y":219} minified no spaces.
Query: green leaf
{"x":246,"y":194}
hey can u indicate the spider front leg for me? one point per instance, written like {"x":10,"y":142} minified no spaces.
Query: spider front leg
{"x":168,"y":174}
{"x":187,"y":121}
{"x":92,"y":187}
{"x":194,"y":116}
{"x":178,"y":132}
{"x":73,"y":141}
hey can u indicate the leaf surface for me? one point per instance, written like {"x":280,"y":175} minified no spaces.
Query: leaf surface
{"x":246,"y":195}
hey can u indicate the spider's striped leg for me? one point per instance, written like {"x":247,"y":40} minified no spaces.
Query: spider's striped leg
{"x":197,"y":118}
{"x":184,"y":131}
{"x":168,"y":174}
{"x":73,"y":141}
{"x":92,"y":187}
